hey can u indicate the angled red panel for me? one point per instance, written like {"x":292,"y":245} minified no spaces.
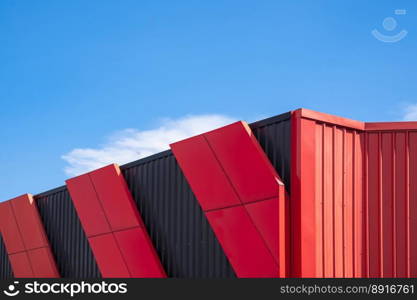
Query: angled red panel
{"x":108,"y":256}
{"x":139,"y":253}
{"x":9,"y":230}
{"x":43,"y":263}
{"x":117,"y":202}
{"x":29,"y":222}
{"x":242,"y":243}
{"x":227,"y":168}
{"x":204,"y":173}
{"x":23,"y":231}
{"x":104,"y":196}
{"x":20,"y":265}
{"x":88,"y":206}
{"x":244,"y":162}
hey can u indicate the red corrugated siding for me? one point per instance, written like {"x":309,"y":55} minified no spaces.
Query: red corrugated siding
{"x":361,"y":180}
{"x":412,"y":143}
{"x":338,"y":200}
{"x":391,"y":202}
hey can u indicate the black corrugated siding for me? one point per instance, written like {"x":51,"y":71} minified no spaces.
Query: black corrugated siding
{"x":66,"y":236}
{"x":274,"y":135}
{"x":176,"y":224}
{"x":5,"y":267}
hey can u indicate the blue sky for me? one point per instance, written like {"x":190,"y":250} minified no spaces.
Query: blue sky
{"x":78,"y":74}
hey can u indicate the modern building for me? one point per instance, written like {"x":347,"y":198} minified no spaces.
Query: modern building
{"x":302,"y":194}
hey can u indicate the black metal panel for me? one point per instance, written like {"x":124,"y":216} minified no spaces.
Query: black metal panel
{"x":274,"y":135}
{"x":5,"y":267}
{"x":176,"y":224}
{"x":66,"y":236}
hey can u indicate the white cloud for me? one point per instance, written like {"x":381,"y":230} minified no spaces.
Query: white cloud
{"x":131,"y":144}
{"x":410,"y":113}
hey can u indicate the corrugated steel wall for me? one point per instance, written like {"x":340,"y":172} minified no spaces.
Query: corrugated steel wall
{"x":354,"y":198}
{"x":5,"y":267}
{"x":353,"y":210}
{"x":391,"y":203}
{"x":339,"y":201}
{"x":66,"y":236}
{"x":175,"y":222}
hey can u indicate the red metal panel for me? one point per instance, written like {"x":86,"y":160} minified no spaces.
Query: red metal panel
{"x":303,"y":205}
{"x":244,"y":162}
{"x":333,"y":198}
{"x":319,"y":204}
{"x":284,"y":233}
{"x":29,"y":223}
{"x":88,"y":206}
{"x":139,"y":253}
{"x":359,"y":204}
{"x":412,"y":197}
{"x":373,"y":207}
{"x":390,"y":126}
{"x":197,"y":161}
{"x":329,"y":151}
{"x":115,"y":198}
{"x":338,"y":176}
{"x":401,"y":213}
{"x":265,"y":214}
{"x":43,"y":263}
{"x":348,"y":204}
{"x":9,"y":230}
{"x":328,"y":201}
{"x":387,"y":218}
{"x":330,"y":119}
{"x":21,"y":265}
{"x":108,"y":256}
{"x":244,"y":247}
